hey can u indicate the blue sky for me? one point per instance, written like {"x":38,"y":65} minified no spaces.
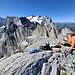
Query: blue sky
{"x":58,"y":10}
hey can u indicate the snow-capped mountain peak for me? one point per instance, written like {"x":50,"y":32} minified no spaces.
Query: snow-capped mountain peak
{"x":35,"y":19}
{"x":30,"y":17}
{"x":39,"y":19}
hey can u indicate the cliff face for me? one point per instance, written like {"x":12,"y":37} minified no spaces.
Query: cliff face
{"x":16,"y":31}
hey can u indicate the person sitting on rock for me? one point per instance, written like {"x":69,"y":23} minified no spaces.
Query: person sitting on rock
{"x":71,"y":41}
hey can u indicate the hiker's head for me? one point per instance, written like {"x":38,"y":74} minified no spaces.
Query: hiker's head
{"x":71,"y":33}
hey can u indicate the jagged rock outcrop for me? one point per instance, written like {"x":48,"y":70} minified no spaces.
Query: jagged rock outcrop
{"x":65,"y":33}
{"x":17,"y":29}
{"x":46,"y":20}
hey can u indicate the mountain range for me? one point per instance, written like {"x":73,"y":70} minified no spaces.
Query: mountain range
{"x":72,"y":27}
{"x":63,"y":24}
{"x":39,"y":19}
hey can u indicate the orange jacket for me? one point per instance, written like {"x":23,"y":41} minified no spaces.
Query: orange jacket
{"x":71,"y":41}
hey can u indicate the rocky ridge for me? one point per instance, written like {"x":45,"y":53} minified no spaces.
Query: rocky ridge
{"x":17,"y":29}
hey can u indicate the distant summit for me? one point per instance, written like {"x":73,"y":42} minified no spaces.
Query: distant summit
{"x":2,"y":21}
{"x":41,"y":20}
{"x":72,"y":27}
{"x":63,"y":24}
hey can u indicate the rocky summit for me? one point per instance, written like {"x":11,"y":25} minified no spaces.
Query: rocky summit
{"x":24,"y":34}
{"x":17,"y":29}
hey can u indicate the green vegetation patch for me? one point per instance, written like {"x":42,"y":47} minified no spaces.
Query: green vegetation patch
{"x":64,"y":73}
{"x":62,"y":68}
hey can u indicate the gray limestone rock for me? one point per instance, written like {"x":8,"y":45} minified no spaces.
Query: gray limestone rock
{"x":17,"y":29}
{"x":65,"y":33}
{"x":46,"y":20}
{"x":24,"y":64}
{"x":46,"y":69}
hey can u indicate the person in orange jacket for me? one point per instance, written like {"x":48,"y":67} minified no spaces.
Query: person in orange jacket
{"x":71,"y":41}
